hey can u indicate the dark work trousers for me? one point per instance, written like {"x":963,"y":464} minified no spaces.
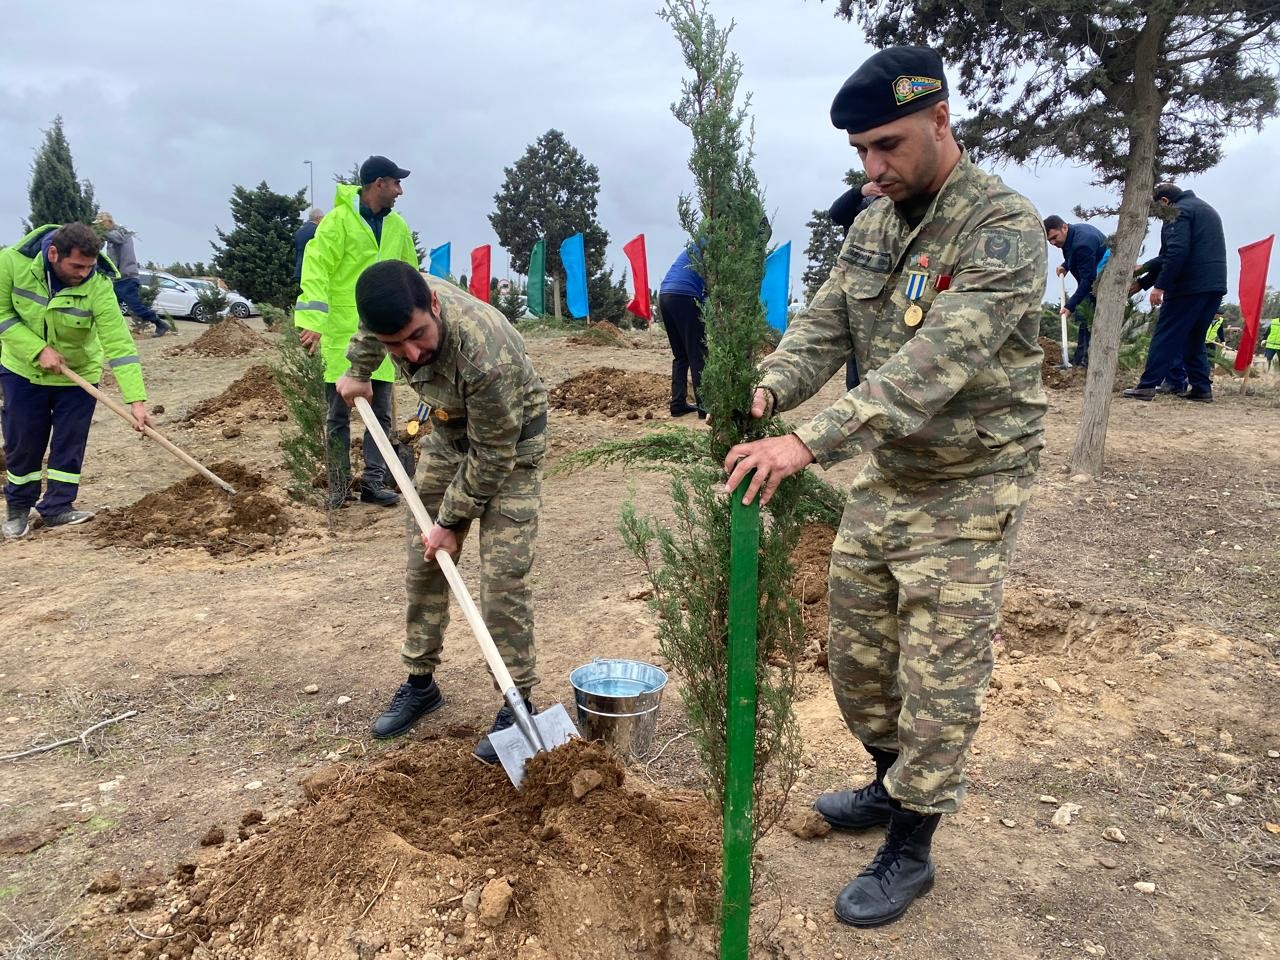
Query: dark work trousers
{"x":682,"y":318}
{"x":129,"y":292}
{"x":338,"y":430}
{"x":32,"y":413}
{"x":851,"y":378}
{"x":1179,"y":339}
{"x":1080,"y":356}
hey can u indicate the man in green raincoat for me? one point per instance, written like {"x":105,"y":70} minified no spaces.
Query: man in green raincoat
{"x":360,"y":230}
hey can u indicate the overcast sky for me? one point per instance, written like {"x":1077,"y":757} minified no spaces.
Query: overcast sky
{"x":167,"y":105}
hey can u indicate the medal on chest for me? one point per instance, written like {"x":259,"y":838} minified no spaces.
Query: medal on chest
{"x":916,"y":281}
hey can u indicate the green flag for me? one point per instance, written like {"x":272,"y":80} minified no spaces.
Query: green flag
{"x":537,"y":278}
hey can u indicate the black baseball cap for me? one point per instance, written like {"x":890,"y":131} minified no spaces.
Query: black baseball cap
{"x":892,"y":83}
{"x":376,"y":167}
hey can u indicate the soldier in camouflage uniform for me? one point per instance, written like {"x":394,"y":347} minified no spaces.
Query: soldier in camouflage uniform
{"x":936,"y":293}
{"x":481,"y":461}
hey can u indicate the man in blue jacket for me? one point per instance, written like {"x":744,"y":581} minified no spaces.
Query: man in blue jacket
{"x":1083,"y":248}
{"x":680,"y":300}
{"x":1190,"y":280}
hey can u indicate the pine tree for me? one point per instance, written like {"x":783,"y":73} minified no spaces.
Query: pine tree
{"x":56,"y":195}
{"x":688,"y":560}
{"x":256,"y":258}
{"x":551,"y":192}
{"x":1138,"y":90}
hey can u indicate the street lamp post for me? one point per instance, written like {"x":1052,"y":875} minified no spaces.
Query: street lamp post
{"x":312,"y":169}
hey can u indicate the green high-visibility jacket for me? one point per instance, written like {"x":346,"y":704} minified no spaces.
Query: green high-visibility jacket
{"x":1273,"y":335}
{"x":83,"y":323}
{"x":344,"y":245}
{"x":1212,"y":333}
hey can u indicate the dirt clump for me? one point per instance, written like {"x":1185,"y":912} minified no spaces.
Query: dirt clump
{"x":427,"y":851}
{"x":602,"y":334}
{"x":254,"y":396}
{"x":613,"y":392}
{"x":196,"y":513}
{"x":228,"y":338}
{"x":810,"y":560}
{"x":1051,"y":373}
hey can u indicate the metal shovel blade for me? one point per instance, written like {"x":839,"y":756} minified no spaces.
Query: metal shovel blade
{"x":553,"y":727}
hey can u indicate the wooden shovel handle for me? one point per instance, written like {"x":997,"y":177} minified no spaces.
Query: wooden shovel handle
{"x":460,"y":592}
{"x":149,"y":431}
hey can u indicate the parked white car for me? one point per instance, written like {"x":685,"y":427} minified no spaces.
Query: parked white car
{"x":237,"y":305}
{"x":174,"y":297}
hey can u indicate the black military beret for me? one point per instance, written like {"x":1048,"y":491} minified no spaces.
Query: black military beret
{"x":892,"y":83}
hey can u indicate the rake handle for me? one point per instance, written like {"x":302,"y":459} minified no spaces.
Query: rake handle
{"x":410,"y":493}
{"x":151,"y":432}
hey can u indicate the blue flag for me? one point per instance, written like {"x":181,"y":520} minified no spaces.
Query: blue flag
{"x":440,"y":261}
{"x":573,"y":254}
{"x":773,"y":286}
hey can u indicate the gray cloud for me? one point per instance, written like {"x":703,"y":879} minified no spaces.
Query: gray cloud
{"x":168,"y":106}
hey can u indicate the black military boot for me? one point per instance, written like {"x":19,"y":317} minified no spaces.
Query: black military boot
{"x":901,"y":871}
{"x":861,"y":809}
{"x":373,"y":489}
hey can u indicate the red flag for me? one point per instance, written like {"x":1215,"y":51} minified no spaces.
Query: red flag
{"x":1254,"y":259}
{"x":639,"y":304}
{"x":480,"y":273}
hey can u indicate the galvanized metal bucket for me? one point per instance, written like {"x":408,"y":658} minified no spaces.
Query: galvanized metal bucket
{"x":618,"y":702}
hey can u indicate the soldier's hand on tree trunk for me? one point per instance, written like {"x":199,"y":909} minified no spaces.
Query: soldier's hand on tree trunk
{"x":50,"y":359}
{"x":773,"y":460}
{"x":349,"y":388}
{"x":309,"y":339}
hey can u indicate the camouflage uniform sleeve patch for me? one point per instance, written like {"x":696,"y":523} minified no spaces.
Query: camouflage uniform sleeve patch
{"x":1000,"y":245}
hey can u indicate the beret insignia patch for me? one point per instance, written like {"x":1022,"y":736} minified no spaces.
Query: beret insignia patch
{"x":906,"y":89}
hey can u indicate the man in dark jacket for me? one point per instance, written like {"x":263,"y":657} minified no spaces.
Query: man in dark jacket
{"x":1190,"y":282}
{"x":1082,"y":249}
{"x":303,"y":237}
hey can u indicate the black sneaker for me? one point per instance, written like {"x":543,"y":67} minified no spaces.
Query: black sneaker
{"x":484,"y":751}
{"x":1166,"y":389}
{"x":684,"y":410}
{"x":377,"y":493}
{"x":69,"y":518}
{"x":1198,"y":396}
{"x":1139,"y":393}
{"x":901,"y":871}
{"x":408,"y":705}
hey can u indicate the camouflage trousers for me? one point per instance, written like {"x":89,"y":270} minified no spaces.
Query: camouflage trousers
{"x":508,"y":528}
{"x":917,"y":577}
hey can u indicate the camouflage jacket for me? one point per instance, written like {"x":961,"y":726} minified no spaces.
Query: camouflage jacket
{"x":959,"y":394}
{"x":482,"y":394}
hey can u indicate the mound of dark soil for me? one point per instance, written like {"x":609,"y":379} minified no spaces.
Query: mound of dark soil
{"x":196,"y":513}
{"x":228,"y":338}
{"x":255,"y":394}
{"x":613,"y":392}
{"x":427,"y":853}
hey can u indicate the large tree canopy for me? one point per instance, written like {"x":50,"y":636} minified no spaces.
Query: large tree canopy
{"x":56,"y":195}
